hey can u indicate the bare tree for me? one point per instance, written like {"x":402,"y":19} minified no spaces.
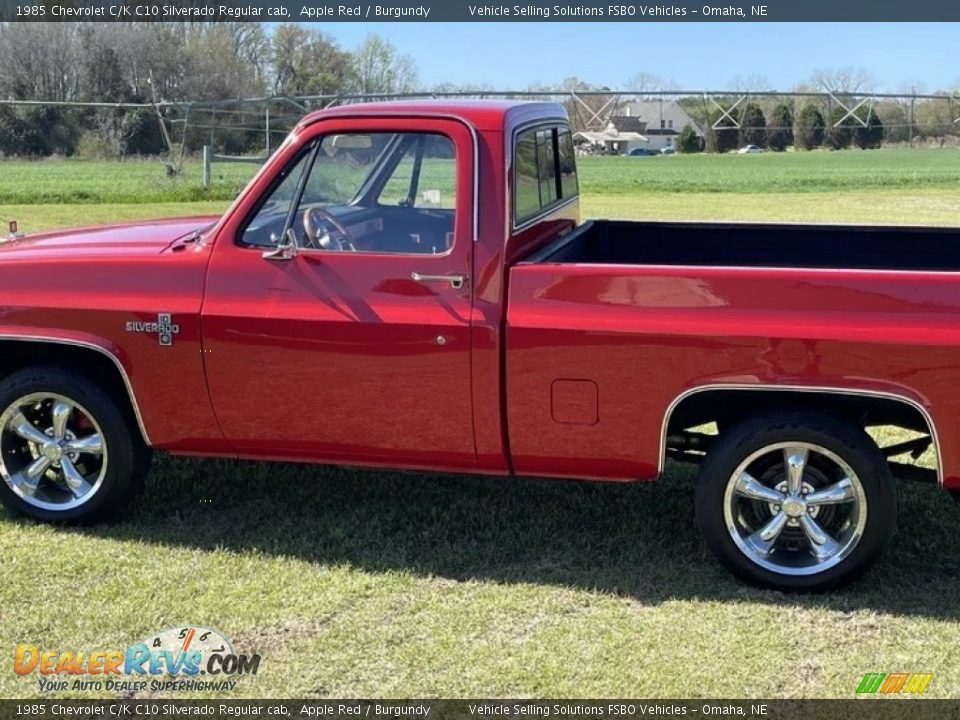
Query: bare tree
{"x":216,"y":71}
{"x":465,"y":88}
{"x":643,"y":82}
{"x":846,"y":80}
{"x":379,"y":68}
{"x":308,"y":62}
{"x":587,"y":112}
{"x":38,"y":61}
{"x":750,"y":83}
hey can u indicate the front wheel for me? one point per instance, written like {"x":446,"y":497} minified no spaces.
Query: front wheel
{"x":796,"y":501}
{"x":67,"y":450}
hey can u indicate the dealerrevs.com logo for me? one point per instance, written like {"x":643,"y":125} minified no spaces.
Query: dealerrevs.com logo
{"x":187,"y":658}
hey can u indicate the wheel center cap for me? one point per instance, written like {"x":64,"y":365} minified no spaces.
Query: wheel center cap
{"x":52,"y":452}
{"x":794,"y":507}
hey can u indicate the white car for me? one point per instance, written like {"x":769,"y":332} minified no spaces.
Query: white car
{"x":750,"y":149}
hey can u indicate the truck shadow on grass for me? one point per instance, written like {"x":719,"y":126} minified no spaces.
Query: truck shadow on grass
{"x":637,"y":540}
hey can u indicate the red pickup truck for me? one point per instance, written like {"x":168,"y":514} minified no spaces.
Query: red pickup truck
{"x":407,"y":285}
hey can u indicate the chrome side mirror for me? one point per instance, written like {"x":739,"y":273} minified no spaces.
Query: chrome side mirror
{"x":286,"y":250}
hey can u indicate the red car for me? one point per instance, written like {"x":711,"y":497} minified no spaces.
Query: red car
{"x":407,"y":285}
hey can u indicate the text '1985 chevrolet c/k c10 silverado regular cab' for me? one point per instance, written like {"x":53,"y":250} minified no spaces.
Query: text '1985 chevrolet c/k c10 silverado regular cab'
{"x":407,"y":285}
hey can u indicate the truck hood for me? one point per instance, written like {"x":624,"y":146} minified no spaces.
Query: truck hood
{"x":145,"y":237}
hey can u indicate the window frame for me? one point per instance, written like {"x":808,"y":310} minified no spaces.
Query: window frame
{"x":369,"y":188}
{"x":308,"y":151}
{"x":556,"y":126}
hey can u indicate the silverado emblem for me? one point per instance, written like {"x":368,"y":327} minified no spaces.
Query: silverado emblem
{"x":164,"y":327}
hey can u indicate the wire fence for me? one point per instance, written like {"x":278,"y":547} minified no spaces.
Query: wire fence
{"x":255,"y":126}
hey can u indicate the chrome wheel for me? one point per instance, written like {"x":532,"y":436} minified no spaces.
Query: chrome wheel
{"x":52,"y":451}
{"x":795,"y":508}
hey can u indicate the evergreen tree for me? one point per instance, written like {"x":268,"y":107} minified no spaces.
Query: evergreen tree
{"x":753,"y":126}
{"x":810,"y":128}
{"x":780,"y":130}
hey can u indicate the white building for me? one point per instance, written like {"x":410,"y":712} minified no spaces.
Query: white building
{"x":662,"y":120}
{"x":611,"y":141}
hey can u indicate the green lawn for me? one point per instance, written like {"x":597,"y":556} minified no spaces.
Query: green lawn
{"x":793,"y":172}
{"x":367,"y":583}
{"x":886,"y":186}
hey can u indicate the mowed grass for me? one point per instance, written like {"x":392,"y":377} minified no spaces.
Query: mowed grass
{"x":132,"y":181}
{"x":370,"y":583}
{"x":885,"y":186}
{"x":793,"y":172}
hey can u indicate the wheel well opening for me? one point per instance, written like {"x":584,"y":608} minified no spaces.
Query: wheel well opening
{"x":897,"y":425}
{"x":18,"y":355}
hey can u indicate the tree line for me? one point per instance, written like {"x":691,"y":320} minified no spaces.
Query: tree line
{"x":169,"y":62}
{"x":181,"y":62}
{"x":812,"y":127}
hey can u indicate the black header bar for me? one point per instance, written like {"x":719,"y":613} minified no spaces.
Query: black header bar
{"x":480,"y":11}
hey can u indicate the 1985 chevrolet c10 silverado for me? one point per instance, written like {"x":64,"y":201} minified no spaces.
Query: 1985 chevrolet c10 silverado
{"x":407,"y":285}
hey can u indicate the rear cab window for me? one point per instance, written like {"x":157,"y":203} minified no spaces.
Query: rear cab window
{"x":545,"y":171}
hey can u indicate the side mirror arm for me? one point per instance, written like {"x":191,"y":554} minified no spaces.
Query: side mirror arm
{"x":286,"y":250}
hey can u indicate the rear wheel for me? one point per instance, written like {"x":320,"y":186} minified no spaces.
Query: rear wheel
{"x":796,"y":501}
{"x":67,"y":450}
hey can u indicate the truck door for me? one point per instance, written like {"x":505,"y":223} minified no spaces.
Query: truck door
{"x":354,"y":344}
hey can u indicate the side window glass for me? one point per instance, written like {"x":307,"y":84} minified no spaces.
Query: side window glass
{"x":268,"y":224}
{"x":545,"y":171}
{"x":526,"y":191}
{"x":425,"y":176}
{"x":568,"y":165}
{"x":546,"y":167}
{"x":379,"y":192}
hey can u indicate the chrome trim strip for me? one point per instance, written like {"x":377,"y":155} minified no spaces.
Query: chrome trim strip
{"x":924,"y":413}
{"x":778,"y":268}
{"x":549,"y":211}
{"x":102,"y":351}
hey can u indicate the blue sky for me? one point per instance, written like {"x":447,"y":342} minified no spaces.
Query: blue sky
{"x":693,"y":55}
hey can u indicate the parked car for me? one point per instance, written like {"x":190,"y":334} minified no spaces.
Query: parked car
{"x":643,"y":152}
{"x":404,"y":285}
{"x":747,"y":149}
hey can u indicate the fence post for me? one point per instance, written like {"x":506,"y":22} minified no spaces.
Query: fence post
{"x":206,"y":165}
{"x":913,"y":102}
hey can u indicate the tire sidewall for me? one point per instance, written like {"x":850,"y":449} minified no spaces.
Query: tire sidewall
{"x":118,"y":479}
{"x":851,"y":444}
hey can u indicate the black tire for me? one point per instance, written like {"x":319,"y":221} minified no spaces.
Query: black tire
{"x":848,"y":442}
{"x":128,"y":458}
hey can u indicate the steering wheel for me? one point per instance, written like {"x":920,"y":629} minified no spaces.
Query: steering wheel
{"x":315,"y":222}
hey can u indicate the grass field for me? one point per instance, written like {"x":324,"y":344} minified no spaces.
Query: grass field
{"x":366,"y":583}
{"x":889,"y":186}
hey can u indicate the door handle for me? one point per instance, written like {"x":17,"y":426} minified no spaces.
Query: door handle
{"x":456,"y":281}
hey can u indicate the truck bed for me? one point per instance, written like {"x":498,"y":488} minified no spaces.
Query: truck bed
{"x":609,"y":325}
{"x":618,"y":242}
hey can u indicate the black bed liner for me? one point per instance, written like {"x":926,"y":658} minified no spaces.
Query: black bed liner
{"x":622,"y":242}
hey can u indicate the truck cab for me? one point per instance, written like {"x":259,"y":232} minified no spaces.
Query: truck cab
{"x":367,"y":259}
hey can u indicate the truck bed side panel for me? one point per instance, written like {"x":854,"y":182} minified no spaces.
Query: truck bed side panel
{"x":644,"y":335}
